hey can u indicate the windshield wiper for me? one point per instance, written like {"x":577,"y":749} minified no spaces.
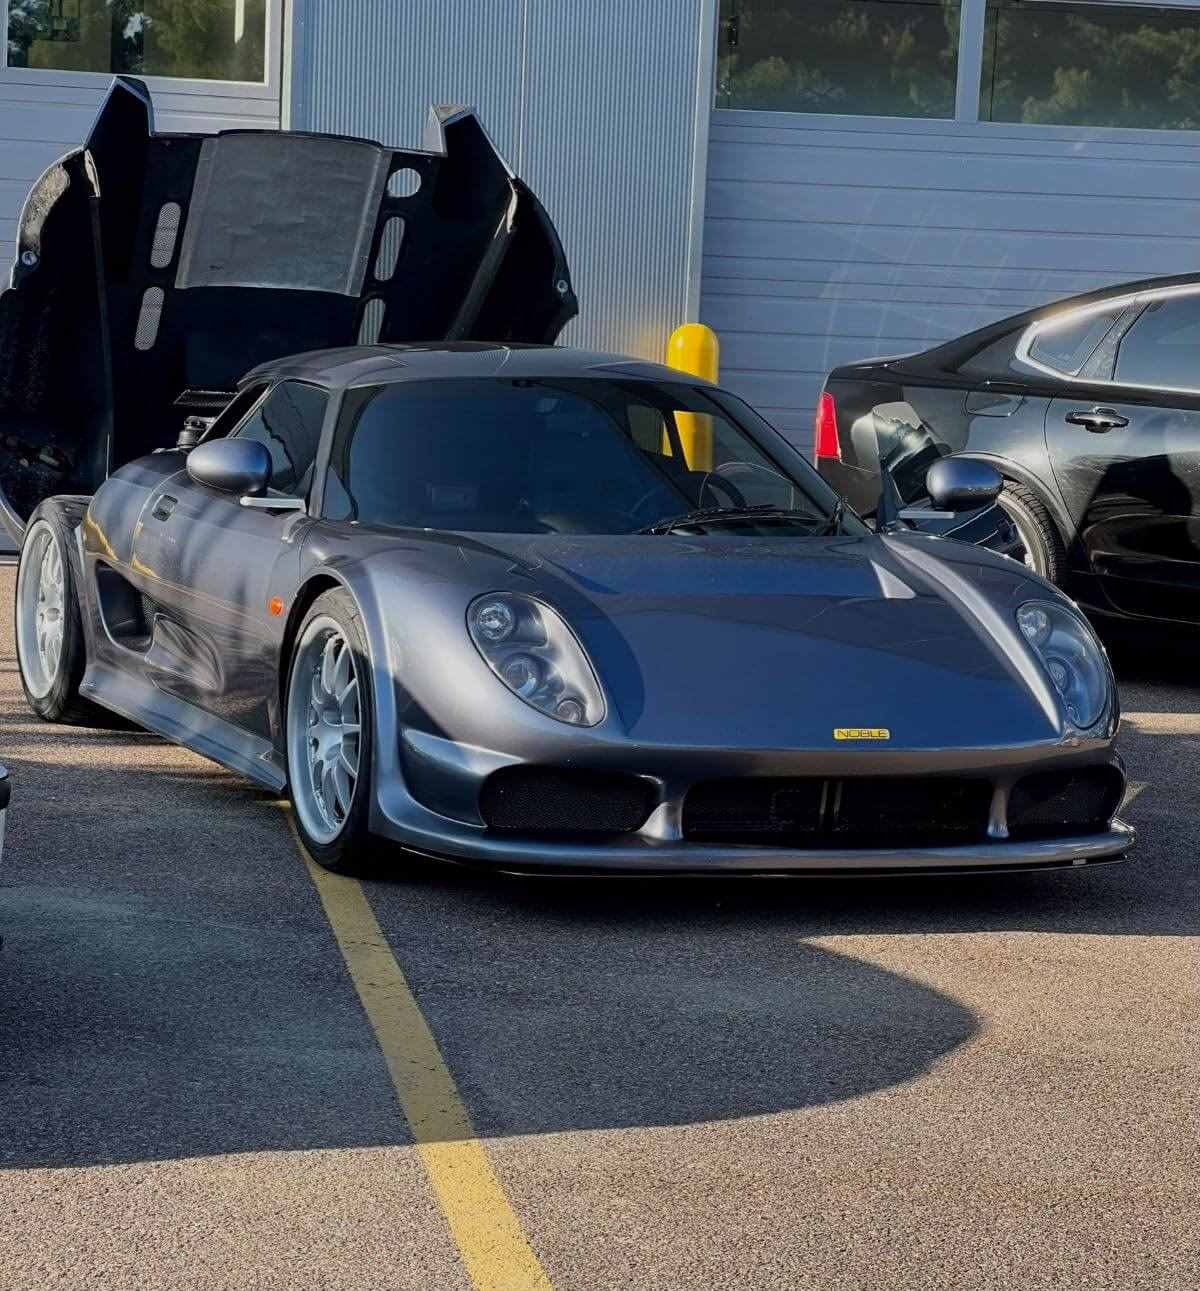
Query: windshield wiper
{"x":726,"y":515}
{"x":837,"y":520}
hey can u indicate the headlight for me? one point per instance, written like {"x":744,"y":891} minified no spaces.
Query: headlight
{"x":1072,"y":657}
{"x":533,"y":652}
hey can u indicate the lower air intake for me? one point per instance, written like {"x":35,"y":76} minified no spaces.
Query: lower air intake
{"x":553,"y":802}
{"x":861,"y":812}
{"x":1053,"y":804}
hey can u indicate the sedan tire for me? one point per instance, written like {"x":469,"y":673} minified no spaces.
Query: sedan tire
{"x":1044,"y":550}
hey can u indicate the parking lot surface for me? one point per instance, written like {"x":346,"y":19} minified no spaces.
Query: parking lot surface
{"x":955,"y":1083}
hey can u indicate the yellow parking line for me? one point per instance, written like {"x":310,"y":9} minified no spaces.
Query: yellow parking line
{"x":488,"y":1234}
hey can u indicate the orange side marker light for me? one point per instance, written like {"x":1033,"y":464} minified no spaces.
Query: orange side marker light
{"x":275,"y":605}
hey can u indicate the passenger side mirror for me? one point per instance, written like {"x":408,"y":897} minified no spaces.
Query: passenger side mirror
{"x":962,"y":483}
{"x":238,"y":466}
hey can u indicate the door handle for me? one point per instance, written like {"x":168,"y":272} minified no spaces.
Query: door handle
{"x":164,"y":506}
{"x":1097,"y":420}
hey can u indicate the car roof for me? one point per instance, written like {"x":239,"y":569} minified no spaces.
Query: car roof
{"x":370,"y":365}
{"x":953,"y":352}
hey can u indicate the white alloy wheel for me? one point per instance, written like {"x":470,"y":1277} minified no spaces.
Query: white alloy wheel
{"x":41,"y":609}
{"x":323,"y":729}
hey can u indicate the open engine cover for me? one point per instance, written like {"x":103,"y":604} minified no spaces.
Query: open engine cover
{"x":151,"y":265}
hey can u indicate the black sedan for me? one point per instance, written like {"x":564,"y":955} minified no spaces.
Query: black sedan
{"x":1090,"y":409}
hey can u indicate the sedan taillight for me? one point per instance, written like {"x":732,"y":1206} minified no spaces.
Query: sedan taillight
{"x":825,"y":431}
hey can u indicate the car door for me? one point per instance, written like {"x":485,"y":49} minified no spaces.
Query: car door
{"x":228,"y":570}
{"x":1126,"y":452}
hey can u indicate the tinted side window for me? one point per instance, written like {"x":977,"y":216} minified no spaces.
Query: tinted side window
{"x":1163,"y":347}
{"x":289,"y":423}
{"x":1067,"y":346}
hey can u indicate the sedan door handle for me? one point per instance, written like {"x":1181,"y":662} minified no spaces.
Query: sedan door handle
{"x":1097,"y":420}
{"x":164,"y":506}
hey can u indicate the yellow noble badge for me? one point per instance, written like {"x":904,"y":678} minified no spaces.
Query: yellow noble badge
{"x":861,"y":733}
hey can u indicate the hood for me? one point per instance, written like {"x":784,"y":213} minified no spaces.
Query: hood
{"x":153,"y":270}
{"x":765,"y":643}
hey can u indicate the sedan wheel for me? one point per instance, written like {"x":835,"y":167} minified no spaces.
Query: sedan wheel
{"x":1042,"y":548}
{"x":329,"y":734}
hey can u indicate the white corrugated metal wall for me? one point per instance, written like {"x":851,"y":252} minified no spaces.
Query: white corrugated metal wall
{"x":828,"y":239}
{"x":602,"y":108}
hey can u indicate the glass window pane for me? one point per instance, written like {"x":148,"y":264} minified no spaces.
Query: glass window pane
{"x":865,"y":57}
{"x":289,"y":425}
{"x":1163,"y":347}
{"x":1091,"y":64}
{"x":1068,"y":345}
{"x":214,"y":40}
{"x":545,"y":456}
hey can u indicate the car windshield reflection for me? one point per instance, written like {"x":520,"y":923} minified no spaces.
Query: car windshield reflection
{"x":590,"y":456}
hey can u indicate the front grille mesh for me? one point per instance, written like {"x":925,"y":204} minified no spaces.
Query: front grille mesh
{"x":553,"y":801}
{"x":862,"y":812}
{"x":1053,"y":804}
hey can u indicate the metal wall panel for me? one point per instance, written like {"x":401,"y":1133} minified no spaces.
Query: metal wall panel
{"x":829,"y":239}
{"x":373,"y":67}
{"x":602,"y":108}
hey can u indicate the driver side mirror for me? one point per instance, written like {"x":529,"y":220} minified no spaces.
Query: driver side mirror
{"x":962,"y":483}
{"x":241,"y":466}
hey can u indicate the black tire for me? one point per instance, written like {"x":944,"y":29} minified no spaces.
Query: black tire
{"x":1046,"y":554}
{"x":54,"y":697}
{"x":352,"y":851}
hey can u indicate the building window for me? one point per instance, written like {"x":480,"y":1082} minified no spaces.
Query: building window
{"x":211,"y":40}
{"x":894,"y":58}
{"x":1089,"y":64}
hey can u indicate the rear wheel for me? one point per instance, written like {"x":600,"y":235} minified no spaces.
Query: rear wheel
{"x":1044,"y":552}
{"x":50,"y":647}
{"x":330,"y":724}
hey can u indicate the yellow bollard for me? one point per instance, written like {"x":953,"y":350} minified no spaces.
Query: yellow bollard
{"x":694,"y":348}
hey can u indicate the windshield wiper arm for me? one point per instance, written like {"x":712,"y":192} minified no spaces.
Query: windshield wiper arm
{"x":837,"y":520}
{"x":722,"y":515}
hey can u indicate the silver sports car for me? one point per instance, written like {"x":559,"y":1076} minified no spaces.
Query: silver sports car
{"x":500,"y":602}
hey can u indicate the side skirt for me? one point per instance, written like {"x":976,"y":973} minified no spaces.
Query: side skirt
{"x":184,"y":723}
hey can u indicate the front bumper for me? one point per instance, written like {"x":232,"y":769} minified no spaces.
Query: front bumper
{"x":429,"y":809}
{"x":514,"y":856}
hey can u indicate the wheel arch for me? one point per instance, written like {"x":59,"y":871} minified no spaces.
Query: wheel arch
{"x":322,"y":581}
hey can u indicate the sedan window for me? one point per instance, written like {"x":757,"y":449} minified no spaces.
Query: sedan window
{"x":1163,"y":347}
{"x":555,"y":456}
{"x":1065,"y":345}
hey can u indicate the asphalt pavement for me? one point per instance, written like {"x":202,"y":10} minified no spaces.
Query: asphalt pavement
{"x":941,"y":1083}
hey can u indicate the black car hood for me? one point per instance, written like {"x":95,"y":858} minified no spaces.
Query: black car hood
{"x":766,"y":642}
{"x":154,"y":270}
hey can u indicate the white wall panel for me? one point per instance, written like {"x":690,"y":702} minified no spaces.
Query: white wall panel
{"x":829,"y":239}
{"x":601,"y":108}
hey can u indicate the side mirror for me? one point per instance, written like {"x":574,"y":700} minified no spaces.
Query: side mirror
{"x":962,"y":483}
{"x":239,"y":466}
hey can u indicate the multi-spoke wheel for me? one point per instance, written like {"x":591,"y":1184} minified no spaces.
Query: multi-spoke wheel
{"x":50,"y":648}
{"x":328,"y":734}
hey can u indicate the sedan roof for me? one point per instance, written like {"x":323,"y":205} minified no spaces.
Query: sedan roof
{"x":369,"y":365}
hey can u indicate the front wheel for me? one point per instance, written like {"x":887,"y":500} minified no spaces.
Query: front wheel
{"x":51,"y":654}
{"x":330,"y":724}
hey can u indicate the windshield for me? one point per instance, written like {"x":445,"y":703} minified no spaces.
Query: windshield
{"x":588,"y":456}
